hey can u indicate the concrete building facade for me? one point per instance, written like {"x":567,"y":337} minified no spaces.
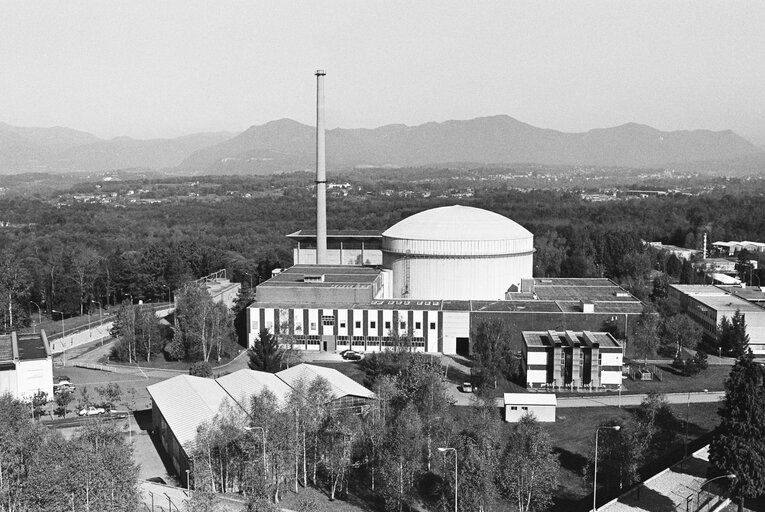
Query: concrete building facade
{"x":572,"y":360}
{"x":708,"y":304}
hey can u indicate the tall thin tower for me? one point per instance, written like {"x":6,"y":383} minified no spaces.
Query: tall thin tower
{"x":321,"y":174}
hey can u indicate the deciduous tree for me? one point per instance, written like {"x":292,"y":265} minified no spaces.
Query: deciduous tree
{"x":528,"y":470}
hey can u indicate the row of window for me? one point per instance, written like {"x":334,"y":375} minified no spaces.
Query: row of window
{"x":330,"y":321}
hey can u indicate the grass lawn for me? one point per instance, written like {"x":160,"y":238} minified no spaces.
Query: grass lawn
{"x":573,"y":436}
{"x":713,"y":379}
{"x":350,"y":369}
{"x":91,"y":379}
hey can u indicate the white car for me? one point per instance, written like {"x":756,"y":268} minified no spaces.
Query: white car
{"x":92,"y":411}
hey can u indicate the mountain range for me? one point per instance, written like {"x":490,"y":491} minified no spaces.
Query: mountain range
{"x":287,"y":145}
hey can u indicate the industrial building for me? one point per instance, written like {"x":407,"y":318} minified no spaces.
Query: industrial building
{"x":182,"y":404}
{"x":329,"y":308}
{"x":572,"y":360}
{"x":708,"y":304}
{"x":443,"y":272}
{"x":26,"y":365}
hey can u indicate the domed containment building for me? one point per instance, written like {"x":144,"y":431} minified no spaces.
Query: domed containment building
{"x":457,"y":252}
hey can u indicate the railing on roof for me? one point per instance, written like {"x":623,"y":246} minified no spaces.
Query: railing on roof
{"x":221,"y":274}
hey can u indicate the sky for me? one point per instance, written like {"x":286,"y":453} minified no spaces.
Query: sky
{"x":149,"y":69}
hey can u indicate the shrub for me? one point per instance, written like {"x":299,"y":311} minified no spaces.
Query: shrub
{"x":201,"y":369}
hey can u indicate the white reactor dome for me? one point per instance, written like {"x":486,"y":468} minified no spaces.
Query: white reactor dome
{"x":457,"y":252}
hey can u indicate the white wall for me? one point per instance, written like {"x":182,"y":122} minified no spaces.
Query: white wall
{"x":34,"y":376}
{"x":536,"y":358}
{"x":536,"y":377}
{"x":543,"y":413}
{"x":611,"y":377}
{"x":456,"y":325}
{"x":611,"y":359}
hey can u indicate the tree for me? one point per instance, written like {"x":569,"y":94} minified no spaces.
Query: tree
{"x":204,"y":328}
{"x":645,"y":334}
{"x":738,"y":446}
{"x":266,"y":355}
{"x":201,"y":369}
{"x":731,"y":335}
{"x":110,"y":394}
{"x":679,"y":332}
{"x":618,"y":456}
{"x":14,"y":291}
{"x":528,"y":470}
{"x":491,"y":349}
{"x":39,"y":400}
{"x":401,"y":462}
{"x":138,"y":335}
{"x":63,"y":398}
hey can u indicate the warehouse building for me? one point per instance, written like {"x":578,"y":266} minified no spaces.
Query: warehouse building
{"x":26,"y":365}
{"x":182,"y":404}
{"x":572,"y":360}
{"x":708,"y":304}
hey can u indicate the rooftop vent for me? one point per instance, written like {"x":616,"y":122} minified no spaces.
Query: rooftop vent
{"x":313,"y":278}
{"x":622,"y":294}
{"x":587,"y":307}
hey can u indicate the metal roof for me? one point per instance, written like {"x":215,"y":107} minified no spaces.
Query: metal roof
{"x":530,"y":399}
{"x":310,"y":234}
{"x":459,"y":223}
{"x":186,"y":402}
{"x":243,"y":384}
{"x":341,"y":385}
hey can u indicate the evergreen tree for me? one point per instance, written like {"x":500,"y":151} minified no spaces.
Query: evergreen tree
{"x":738,"y":447}
{"x":731,"y":335}
{"x":266,"y":355}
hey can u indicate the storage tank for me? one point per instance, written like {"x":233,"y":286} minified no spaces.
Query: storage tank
{"x":457,"y":252}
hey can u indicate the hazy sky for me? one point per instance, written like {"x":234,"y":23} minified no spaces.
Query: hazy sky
{"x":159,"y":69}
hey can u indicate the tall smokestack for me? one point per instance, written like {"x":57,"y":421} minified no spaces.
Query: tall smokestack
{"x":321,"y":174}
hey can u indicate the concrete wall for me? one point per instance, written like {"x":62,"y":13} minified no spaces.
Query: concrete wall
{"x":542,"y":413}
{"x":33,"y":376}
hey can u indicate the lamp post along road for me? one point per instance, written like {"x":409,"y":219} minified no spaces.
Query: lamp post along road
{"x":595,"y":472}
{"x":444,"y":450}
{"x":39,"y":313}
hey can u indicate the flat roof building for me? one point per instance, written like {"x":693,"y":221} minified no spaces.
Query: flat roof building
{"x":708,"y":304}
{"x":541,"y":405}
{"x":572,"y":360}
{"x":26,"y":365}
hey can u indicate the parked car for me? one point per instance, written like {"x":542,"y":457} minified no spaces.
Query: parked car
{"x":350,"y":355}
{"x":63,"y":385}
{"x":92,"y":411}
{"x":467,"y":387}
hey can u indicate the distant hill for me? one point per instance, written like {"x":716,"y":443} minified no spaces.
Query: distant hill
{"x":288,"y":145}
{"x":63,"y":149}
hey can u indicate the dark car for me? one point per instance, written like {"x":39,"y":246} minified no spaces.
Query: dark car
{"x":350,"y":355}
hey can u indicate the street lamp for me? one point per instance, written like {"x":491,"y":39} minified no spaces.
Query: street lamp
{"x":263,"y":432}
{"x":39,"y":313}
{"x":595,"y":473}
{"x":444,"y":450}
{"x":729,"y":476}
{"x":188,"y":483}
{"x":248,"y":274}
{"x":63,"y":329}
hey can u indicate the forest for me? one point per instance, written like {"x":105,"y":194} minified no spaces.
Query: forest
{"x":70,"y":256}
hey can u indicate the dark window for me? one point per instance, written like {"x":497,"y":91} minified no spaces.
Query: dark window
{"x":387,"y":325}
{"x":432,"y":325}
{"x":418,"y":325}
{"x":327,"y":320}
{"x":373,"y":325}
{"x":358,"y":325}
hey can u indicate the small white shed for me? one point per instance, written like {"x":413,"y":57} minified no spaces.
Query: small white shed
{"x":541,"y":405}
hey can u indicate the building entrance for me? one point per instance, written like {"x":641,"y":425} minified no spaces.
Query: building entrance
{"x":463,"y":347}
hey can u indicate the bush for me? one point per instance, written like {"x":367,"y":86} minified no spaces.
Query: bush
{"x":201,"y":369}
{"x":691,"y":365}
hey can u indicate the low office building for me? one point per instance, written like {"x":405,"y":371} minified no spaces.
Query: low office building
{"x":572,"y":360}
{"x":708,"y":304}
{"x":329,"y":308}
{"x":26,"y":365}
{"x":541,"y":405}
{"x":182,"y":404}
